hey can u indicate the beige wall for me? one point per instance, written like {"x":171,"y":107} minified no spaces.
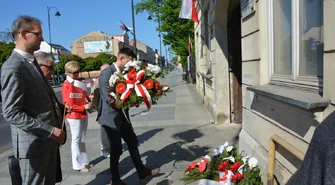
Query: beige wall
{"x":265,"y":116}
{"x":78,"y":45}
{"x":212,"y":61}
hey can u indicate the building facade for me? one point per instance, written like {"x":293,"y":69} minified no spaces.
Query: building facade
{"x":144,"y":52}
{"x":96,"y":42}
{"x":267,"y":64}
{"x":54,"y":48}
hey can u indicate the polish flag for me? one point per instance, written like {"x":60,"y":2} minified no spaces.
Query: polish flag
{"x":188,"y":10}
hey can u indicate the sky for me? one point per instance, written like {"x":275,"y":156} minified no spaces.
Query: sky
{"x":80,"y":17}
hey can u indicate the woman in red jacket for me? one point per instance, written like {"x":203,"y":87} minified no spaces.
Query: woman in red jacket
{"x":74,"y":94}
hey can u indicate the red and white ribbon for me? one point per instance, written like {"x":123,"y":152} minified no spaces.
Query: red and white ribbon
{"x":139,"y":89}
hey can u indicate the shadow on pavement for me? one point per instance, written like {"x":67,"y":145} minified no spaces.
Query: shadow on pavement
{"x":125,"y":165}
{"x":179,"y":151}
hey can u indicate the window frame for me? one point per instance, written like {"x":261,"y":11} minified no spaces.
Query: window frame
{"x":310,"y":83}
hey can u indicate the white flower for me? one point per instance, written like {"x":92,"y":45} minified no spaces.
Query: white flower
{"x":252,"y":162}
{"x":153,"y":68}
{"x":134,"y":64}
{"x":216,"y":152}
{"x":112,"y":79}
{"x":221,"y":148}
{"x":244,"y":159}
{"x":207,"y":158}
{"x":156,"y":70}
{"x":112,"y":94}
{"x":229,"y":148}
{"x":231,"y":158}
{"x":165,"y":87}
{"x":240,"y":169}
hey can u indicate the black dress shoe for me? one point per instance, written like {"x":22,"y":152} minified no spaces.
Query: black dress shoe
{"x":148,"y":172}
{"x":118,"y":182}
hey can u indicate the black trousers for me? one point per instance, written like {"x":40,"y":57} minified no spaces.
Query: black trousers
{"x":127,"y":133}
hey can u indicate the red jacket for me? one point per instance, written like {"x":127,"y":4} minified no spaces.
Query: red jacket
{"x":75,"y":97}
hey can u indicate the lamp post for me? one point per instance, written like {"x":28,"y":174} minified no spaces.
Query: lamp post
{"x":133,"y":19}
{"x":57,"y":14}
{"x":159,"y":35}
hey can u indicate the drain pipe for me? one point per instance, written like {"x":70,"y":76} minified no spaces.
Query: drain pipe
{"x":272,"y":151}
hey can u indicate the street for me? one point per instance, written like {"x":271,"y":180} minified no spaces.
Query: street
{"x":172,"y":134}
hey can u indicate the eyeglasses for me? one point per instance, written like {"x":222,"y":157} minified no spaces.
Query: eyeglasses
{"x":38,"y":34}
{"x":49,"y":67}
{"x":75,"y":73}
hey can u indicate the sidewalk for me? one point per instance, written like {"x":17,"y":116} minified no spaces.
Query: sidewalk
{"x":175,"y":132}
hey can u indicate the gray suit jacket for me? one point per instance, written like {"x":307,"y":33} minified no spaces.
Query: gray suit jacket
{"x":107,"y":115}
{"x":27,"y":105}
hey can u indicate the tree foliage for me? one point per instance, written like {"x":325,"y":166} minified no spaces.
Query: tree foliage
{"x":175,"y":31}
{"x":87,"y":64}
{"x":5,"y":51}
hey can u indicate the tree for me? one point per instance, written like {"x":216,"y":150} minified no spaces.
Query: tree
{"x":175,"y":30}
{"x":63,"y":59}
{"x":104,"y":58}
{"x":91,"y":64}
{"x":5,"y":51}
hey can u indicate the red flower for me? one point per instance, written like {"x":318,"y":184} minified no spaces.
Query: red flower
{"x":235,"y":167}
{"x":144,"y":66}
{"x":202,"y":165}
{"x":120,"y":88}
{"x":236,"y":177}
{"x":223,"y":166}
{"x":108,"y":87}
{"x":158,"y":84}
{"x":131,"y":74}
{"x":191,"y":166}
{"x":148,"y":84}
{"x":159,"y":92}
{"x":223,"y":179}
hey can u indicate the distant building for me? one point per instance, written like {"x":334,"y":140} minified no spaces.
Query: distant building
{"x":144,"y":52}
{"x":96,"y":42}
{"x":56,"y":48}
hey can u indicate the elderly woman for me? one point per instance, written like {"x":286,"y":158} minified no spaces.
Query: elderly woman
{"x":77,"y":98}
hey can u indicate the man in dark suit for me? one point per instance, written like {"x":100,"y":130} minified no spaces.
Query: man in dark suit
{"x":116,"y":124}
{"x":30,"y":107}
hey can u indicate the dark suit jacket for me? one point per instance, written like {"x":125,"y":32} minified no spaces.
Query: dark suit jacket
{"x":318,"y":165}
{"x":28,"y":107}
{"x":107,"y":115}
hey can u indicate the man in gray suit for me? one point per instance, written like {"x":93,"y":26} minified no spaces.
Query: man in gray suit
{"x":116,"y":124}
{"x":29,"y":105}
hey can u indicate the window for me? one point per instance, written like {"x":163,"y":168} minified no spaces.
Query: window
{"x":296,"y":37}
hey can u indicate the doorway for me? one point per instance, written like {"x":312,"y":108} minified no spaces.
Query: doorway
{"x":235,"y":59}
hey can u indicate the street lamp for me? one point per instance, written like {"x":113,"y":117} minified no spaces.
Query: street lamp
{"x":57,"y":15}
{"x":133,"y":19}
{"x":159,"y":35}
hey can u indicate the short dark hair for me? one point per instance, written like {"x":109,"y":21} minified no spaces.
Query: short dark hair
{"x":23,"y":22}
{"x":127,"y":51}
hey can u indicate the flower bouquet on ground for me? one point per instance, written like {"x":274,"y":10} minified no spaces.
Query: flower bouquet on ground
{"x":136,"y":84}
{"x":226,"y":166}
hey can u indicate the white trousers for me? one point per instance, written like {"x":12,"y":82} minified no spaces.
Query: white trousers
{"x":78,"y":145}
